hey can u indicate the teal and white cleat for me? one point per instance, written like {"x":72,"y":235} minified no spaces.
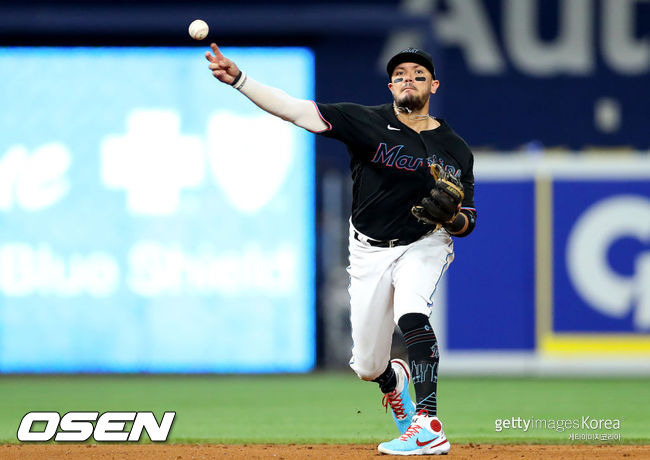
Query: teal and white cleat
{"x":423,"y":437}
{"x":399,"y":400}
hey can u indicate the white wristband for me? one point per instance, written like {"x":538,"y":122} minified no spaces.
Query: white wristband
{"x":239,"y":84}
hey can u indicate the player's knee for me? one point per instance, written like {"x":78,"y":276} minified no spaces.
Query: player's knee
{"x":367,"y":376}
{"x":367,"y":371}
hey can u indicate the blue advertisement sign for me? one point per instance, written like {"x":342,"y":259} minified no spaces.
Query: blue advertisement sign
{"x":153,"y":219}
{"x":559,"y":262}
{"x":602,"y":253}
{"x":491,"y":283}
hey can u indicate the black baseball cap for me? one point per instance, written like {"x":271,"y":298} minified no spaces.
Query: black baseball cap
{"x":411,"y":55}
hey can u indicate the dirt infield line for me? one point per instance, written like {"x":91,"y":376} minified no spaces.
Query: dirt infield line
{"x":297,"y":451}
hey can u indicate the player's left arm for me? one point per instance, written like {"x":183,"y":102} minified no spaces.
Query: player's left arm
{"x":465,"y":221}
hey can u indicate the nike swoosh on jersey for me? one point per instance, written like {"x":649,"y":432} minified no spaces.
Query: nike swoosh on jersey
{"x":417,"y":441}
{"x":393,"y":129}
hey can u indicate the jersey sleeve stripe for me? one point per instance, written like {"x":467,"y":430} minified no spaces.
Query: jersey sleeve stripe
{"x":329,"y":125}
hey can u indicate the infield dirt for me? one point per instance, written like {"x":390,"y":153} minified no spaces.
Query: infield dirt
{"x":298,"y":451}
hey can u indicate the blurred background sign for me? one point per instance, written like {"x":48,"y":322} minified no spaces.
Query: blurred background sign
{"x":528,"y":74}
{"x":152,"y":220}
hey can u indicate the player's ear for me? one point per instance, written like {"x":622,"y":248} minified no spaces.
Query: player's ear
{"x":434,"y":86}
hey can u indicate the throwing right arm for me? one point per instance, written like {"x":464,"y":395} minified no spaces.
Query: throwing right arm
{"x":300,"y":112}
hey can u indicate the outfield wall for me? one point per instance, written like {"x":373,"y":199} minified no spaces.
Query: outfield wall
{"x":556,"y":277}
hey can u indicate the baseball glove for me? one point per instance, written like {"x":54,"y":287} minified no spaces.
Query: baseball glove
{"x":443,"y":203}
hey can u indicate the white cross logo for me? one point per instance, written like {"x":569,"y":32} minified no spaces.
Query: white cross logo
{"x":152,"y":162}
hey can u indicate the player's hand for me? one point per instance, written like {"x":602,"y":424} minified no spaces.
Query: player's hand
{"x":222,"y":68}
{"x":443,"y":202}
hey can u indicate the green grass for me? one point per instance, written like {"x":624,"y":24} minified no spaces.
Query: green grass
{"x":329,"y":407}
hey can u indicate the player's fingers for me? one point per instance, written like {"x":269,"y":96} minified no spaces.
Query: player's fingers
{"x":223,"y":64}
{"x":209,"y":56}
{"x":226,"y":64}
{"x":216,"y":50}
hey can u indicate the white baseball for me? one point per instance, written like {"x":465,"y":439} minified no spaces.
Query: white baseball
{"x":198,"y":29}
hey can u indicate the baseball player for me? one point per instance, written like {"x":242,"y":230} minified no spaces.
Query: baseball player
{"x":413,"y":187}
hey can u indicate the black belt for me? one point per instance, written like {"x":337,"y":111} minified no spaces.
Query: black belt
{"x":383,"y":244}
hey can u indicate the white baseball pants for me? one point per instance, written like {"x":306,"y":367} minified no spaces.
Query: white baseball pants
{"x":386,"y":283}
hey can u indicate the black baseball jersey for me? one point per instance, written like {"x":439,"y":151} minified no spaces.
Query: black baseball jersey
{"x":390,"y":166}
